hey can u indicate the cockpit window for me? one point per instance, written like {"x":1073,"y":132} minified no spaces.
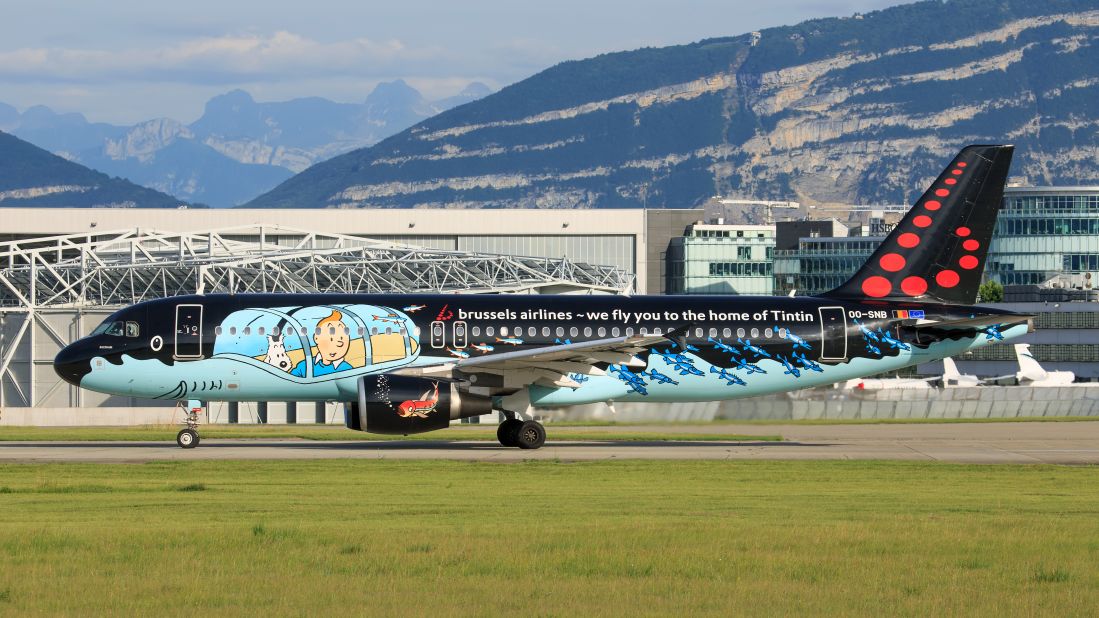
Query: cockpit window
{"x":132,"y":329}
{"x":116,"y":329}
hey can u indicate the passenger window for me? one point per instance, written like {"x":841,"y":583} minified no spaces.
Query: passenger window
{"x":232,"y":330}
{"x":574,"y":331}
{"x":305,"y":331}
{"x":602,"y":332}
{"x":658,"y":331}
{"x":374,"y":330}
{"x":503,"y":331}
{"x":217,"y":330}
{"x":740,"y":332}
{"x":476,"y":330}
{"x":247,"y":330}
{"x":713,"y":332}
{"x":260,"y":331}
{"x":782,"y":332}
{"x":755,"y":333}
{"x":489,"y":331}
{"x":644,"y":331}
{"x":545,"y":331}
{"x":132,"y":329}
{"x":560,"y":331}
{"x":629,"y":332}
{"x":615,"y":331}
{"x":362,"y":331}
{"x":768,"y":333}
{"x":727,"y":332}
{"x":698,"y":333}
{"x":587,"y":331}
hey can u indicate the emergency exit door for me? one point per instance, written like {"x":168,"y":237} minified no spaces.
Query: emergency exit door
{"x":188,"y":339}
{"x":833,"y":333}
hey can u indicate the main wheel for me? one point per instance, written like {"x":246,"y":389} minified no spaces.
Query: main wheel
{"x":187,"y":438}
{"x":508,"y":432}
{"x":531,"y":435}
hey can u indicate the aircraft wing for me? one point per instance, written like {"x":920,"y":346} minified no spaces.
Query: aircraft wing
{"x":974,"y":323}
{"x":548,"y":365}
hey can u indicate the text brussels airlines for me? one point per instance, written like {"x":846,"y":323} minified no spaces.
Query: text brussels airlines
{"x":637,"y":317}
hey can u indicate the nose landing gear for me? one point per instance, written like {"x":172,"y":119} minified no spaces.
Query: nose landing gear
{"x":188,"y":437}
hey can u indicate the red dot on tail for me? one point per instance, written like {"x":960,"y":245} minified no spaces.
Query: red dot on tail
{"x":892,"y":262}
{"x":962,"y":231}
{"x":914,"y":286}
{"x":956,"y":172}
{"x":908,"y":240}
{"x":921,"y":221}
{"x":932,"y":204}
{"x":942,"y":192}
{"x":962,"y":164}
{"x":876,"y":286}
{"x":947,"y":278}
{"x":968,"y":262}
{"x":951,"y":181}
{"x":971,"y":245}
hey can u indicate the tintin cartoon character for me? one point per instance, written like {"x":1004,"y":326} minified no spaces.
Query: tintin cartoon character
{"x":332,"y":340}
{"x":276,"y":353}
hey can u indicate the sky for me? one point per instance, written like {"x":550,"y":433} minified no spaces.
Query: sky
{"x":125,"y":61}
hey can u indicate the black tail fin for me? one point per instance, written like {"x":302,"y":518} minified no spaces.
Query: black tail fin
{"x":937,"y":252}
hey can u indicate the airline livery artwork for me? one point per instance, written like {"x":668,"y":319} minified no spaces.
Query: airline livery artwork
{"x":440,"y":358}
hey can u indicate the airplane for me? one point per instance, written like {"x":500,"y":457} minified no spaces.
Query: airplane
{"x":729,"y":377}
{"x":952,"y":378}
{"x":215,"y":347}
{"x":1031,"y":372}
{"x":483,"y":348}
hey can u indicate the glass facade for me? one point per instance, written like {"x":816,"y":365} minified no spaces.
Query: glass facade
{"x":821,"y":264}
{"x":1045,"y":233}
{"x":722,"y":259}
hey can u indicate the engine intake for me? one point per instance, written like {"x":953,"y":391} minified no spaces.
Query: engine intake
{"x":405,"y":405}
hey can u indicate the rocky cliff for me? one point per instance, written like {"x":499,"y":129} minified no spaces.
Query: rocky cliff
{"x":863,"y":109}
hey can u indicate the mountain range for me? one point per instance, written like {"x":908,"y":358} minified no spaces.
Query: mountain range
{"x":862,"y":109}
{"x":31,"y":176}
{"x":238,"y":148}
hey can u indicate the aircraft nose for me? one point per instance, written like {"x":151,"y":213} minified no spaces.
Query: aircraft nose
{"x":72,"y":363}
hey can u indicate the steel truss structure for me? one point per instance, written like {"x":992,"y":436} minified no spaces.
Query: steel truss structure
{"x":80,"y":272}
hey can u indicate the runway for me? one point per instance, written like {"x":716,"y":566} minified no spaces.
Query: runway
{"x":990,"y":443}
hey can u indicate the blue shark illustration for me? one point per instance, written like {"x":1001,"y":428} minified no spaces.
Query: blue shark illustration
{"x":633,"y":380}
{"x":894,"y":344}
{"x":672,"y":358}
{"x":866,"y":332}
{"x":872,"y":348}
{"x":747,"y":345}
{"x":559,"y":341}
{"x":749,"y":367}
{"x":413,"y":308}
{"x":687,"y":368}
{"x":724,"y":347}
{"x":729,"y":377}
{"x":790,"y":369}
{"x":993,"y":333}
{"x":578,"y":377}
{"x":806,"y":363}
{"x":659,"y":377}
{"x":797,"y":341}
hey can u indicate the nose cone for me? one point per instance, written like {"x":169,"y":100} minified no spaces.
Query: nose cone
{"x":72,"y":363}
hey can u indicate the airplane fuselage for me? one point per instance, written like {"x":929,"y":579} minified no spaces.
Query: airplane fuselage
{"x":315,"y":347}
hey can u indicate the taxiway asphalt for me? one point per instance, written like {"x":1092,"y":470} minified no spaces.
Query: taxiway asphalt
{"x":992,"y":443}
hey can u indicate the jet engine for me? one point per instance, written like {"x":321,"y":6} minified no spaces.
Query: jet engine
{"x":405,"y":405}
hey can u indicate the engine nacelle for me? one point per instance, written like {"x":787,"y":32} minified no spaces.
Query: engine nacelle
{"x":404,"y":405}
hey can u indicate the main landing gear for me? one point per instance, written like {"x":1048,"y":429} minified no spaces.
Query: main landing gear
{"x":524,"y":434}
{"x":188,"y":437}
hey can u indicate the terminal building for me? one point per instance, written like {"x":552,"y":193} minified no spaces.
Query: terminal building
{"x":721,"y":259}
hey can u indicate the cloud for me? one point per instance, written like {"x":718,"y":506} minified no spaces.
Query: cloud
{"x":227,"y":59}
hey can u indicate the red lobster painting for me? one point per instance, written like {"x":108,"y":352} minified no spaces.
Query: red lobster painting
{"x":420,"y":407}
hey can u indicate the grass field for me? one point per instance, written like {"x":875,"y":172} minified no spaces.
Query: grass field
{"x":620,"y":538}
{"x":167,"y":433}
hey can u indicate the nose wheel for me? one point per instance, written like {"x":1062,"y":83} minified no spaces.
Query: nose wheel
{"x":188,"y":437}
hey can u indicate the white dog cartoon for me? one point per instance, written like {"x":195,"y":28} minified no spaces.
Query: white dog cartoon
{"x":276,"y":353}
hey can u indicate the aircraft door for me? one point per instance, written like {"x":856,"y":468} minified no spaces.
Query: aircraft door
{"x":833,"y":333}
{"x":438,"y":334}
{"x":188,"y":335}
{"x":461,"y":340}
